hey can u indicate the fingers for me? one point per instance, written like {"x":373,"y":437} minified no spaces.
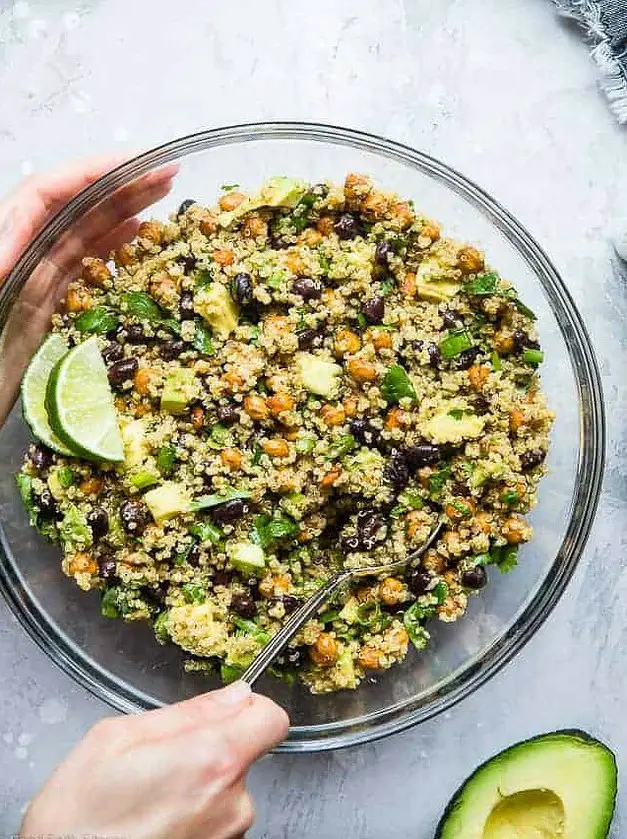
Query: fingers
{"x":197,"y":713}
{"x":124,"y":232}
{"x":259,"y":728}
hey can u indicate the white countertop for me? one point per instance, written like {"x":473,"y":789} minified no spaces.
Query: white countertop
{"x":500,"y":89}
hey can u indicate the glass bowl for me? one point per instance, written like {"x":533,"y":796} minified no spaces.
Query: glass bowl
{"x":122,"y":663}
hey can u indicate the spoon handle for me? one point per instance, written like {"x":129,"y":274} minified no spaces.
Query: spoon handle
{"x":289,"y":630}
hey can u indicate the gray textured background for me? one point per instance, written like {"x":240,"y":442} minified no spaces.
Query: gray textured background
{"x":500,"y":89}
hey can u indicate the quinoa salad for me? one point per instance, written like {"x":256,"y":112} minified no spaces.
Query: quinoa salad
{"x":292,"y":382}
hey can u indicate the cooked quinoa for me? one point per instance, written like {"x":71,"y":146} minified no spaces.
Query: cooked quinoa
{"x":306,"y":379}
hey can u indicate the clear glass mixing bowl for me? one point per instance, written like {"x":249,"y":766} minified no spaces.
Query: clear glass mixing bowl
{"x":123,"y":664}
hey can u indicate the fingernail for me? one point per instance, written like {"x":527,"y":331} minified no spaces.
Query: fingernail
{"x":233,"y":694}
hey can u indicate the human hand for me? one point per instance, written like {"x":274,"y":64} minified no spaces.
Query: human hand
{"x":175,"y":773}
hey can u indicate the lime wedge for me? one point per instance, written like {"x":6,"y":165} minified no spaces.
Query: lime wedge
{"x":34,"y":392}
{"x":80,"y":404}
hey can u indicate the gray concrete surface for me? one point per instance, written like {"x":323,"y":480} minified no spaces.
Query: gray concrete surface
{"x":502,"y":90}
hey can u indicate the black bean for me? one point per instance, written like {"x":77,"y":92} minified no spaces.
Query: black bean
{"x":113,"y":352}
{"x":397,"y":469}
{"x":193,"y":556}
{"x":122,"y":371}
{"x":348,"y":226}
{"x":435,"y":356}
{"x":189,"y":263}
{"x":365,"y":433}
{"x":290,"y":603}
{"x":383,"y":252}
{"x":374,"y":309}
{"x":98,"y":520}
{"x":308,"y":338}
{"x":460,"y":488}
{"x":424,"y":454}
{"x":530,"y":459}
{"x":242,"y":288}
{"x":133,"y":334}
{"x":186,"y":305}
{"x":107,"y":567}
{"x":369,"y":525}
{"x":243,"y":605}
{"x":156,"y":595}
{"x":135,"y":516}
{"x":47,"y":505}
{"x":350,"y":543}
{"x":230,"y":511}
{"x":467,"y":358}
{"x":481,"y":404}
{"x":475,"y":577}
{"x":184,"y":206}
{"x":523,"y":341}
{"x":294,"y":657}
{"x":41,"y":457}
{"x":221,"y":578}
{"x":418,"y":580}
{"x":449,"y":318}
{"x":171,"y":349}
{"x":227,"y":414}
{"x":307,"y":288}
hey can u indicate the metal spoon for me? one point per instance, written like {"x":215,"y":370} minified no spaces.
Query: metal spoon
{"x":311,"y":606}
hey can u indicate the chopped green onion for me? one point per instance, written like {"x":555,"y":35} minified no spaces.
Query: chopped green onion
{"x":495,"y":358}
{"x":65,"y":476}
{"x":328,"y":616}
{"x":533,"y":357}
{"x":397,"y":385}
{"x":455,"y":343}
{"x":305,"y":445}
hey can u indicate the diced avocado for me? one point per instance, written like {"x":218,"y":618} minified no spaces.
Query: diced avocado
{"x":444,"y":428}
{"x":275,"y":192}
{"x":486,"y":472}
{"x":166,"y":501}
{"x":317,"y":375}
{"x":216,"y":306}
{"x":136,"y":446}
{"x":178,"y":391}
{"x":349,"y":611}
{"x":247,"y":557}
{"x":365,"y":460}
{"x":75,"y":533}
{"x":295,"y":504}
{"x":344,"y":676}
{"x":198,"y":628}
{"x":54,"y":484}
{"x":557,"y":786}
{"x":434,"y":283}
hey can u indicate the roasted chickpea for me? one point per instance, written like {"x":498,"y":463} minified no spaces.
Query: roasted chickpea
{"x":470,"y":260}
{"x":325,"y":225}
{"x":223,"y":257}
{"x":356,"y":189}
{"x":82,"y":563}
{"x":504,"y":343}
{"x":346,"y":343}
{"x":381,"y":340}
{"x":392,"y":591}
{"x":478,"y":375}
{"x":231,"y":458}
{"x":125,"y":255}
{"x":516,"y":530}
{"x":310,"y":237}
{"x":403,"y":214}
{"x":350,"y":406}
{"x":254,"y":227}
{"x":152,"y":231}
{"x":325,"y":652}
{"x":295,"y":263}
{"x":256,"y":407}
{"x":331,"y":477}
{"x":409,"y":285}
{"x":233,"y":379}
{"x":78,"y":300}
{"x":516,"y":420}
{"x":396,"y":418}
{"x":276,"y":447}
{"x":333,"y":414}
{"x":91,"y":486}
{"x":143,"y":379}
{"x":279,"y":402}
{"x":430,"y":230}
{"x":197,"y":417}
{"x":370,"y":658}
{"x":362,"y":371}
{"x":208,"y":225}
{"x":95,"y":272}
{"x":231,"y":200}
{"x":375,"y":206}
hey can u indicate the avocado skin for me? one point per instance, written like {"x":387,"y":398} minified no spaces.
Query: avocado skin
{"x":574,"y":733}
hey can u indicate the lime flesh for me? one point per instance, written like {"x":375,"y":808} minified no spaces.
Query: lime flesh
{"x":34,"y":386}
{"x":80,"y":404}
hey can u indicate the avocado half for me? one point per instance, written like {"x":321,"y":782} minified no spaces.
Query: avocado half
{"x":560,"y":785}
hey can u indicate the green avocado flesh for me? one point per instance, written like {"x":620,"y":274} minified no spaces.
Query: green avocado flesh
{"x":557,"y":786}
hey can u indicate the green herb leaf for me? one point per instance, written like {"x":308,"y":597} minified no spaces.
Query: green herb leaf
{"x":411,"y":499}
{"x":495,"y":358}
{"x":142,"y":306}
{"x":117,"y":602}
{"x":220,"y":437}
{"x":193,"y":593}
{"x":257,"y":455}
{"x":25,"y":488}
{"x":456,"y":413}
{"x":413,"y":622}
{"x":440,"y":592}
{"x":397,"y":385}
{"x":483,"y":285}
{"x":276,"y":281}
{"x":505,"y":557}
{"x":203,"y":278}
{"x":510,"y":497}
{"x":341,"y":447}
{"x":329,"y":616}
{"x":166,"y":458}
{"x":533,"y":357}
{"x":206,"y":531}
{"x":250,"y":628}
{"x":361,"y":320}
{"x":270,"y":529}
{"x":455,"y":343}
{"x":438,"y":479}
{"x":202,"y":339}
{"x":387,"y":286}
{"x":229,"y":187}
{"x":97,"y":321}
{"x":205,"y":502}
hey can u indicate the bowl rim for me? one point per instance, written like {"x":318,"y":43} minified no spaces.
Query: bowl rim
{"x":589,"y":469}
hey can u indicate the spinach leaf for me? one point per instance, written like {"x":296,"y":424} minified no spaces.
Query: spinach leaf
{"x":206,"y":531}
{"x":140,"y":305}
{"x":397,"y":385}
{"x":97,"y":321}
{"x":166,"y":458}
{"x":202,"y":339}
{"x":270,"y":529}
{"x":483,"y":285}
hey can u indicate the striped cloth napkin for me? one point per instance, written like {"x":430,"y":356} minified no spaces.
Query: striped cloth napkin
{"x":606,"y":24}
